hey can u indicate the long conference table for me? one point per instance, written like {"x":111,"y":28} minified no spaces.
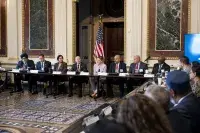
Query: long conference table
{"x":87,"y":75}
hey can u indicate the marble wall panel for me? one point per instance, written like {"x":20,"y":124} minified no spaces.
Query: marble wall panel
{"x":38,"y":27}
{"x":168,"y":22}
{"x":3,"y":28}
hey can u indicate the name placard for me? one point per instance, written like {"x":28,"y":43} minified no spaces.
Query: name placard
{"x":57,"y":72}
{"x":84,"y":73}
{"x":33,"y":71}
{"x":102,"y":74}
{"x":123,"y":74}
{"x":149,"y":75}
{"x":15,"y":70}
{"x":71,"y":73}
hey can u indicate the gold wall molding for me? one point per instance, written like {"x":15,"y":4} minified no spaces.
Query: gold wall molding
{"x":74,"y":28}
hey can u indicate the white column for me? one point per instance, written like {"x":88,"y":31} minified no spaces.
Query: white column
{"x":133,"y":29}
{"x":195,"y":16}
{"x":12,"y":31}
{"x":60,"y":21}
{"x":69,"y":32}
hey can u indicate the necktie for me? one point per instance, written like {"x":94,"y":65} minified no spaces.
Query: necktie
{"x":99,"y":70}
{"x":78,"y":67}
{"x":136,"y":66}
{"x":160,"y":66}
{"x":42,"y":65}
{"x":116,"y":68}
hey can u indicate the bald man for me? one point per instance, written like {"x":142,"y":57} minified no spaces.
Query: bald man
{"x":138,"y":66}
{"x":78,"y":66}
{"x":116,"y":67}
{"x":161,"y":65}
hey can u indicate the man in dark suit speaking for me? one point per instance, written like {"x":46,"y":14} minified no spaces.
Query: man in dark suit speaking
{"x":23,"y":64}
{"x":116,"y":67}
{"x":161,"y":65}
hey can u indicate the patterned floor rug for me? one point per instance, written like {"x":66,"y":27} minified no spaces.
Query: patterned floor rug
{"x":27,"y":113}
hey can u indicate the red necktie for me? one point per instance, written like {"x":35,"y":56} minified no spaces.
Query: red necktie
{"x":136,"y":66}
{"x":116,"y":67}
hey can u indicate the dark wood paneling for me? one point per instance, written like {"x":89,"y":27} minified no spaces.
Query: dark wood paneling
{"x":50,"y":52}
{"x":3,"y":48}
{"x":152,"y":25}
{"x":114,"y":39}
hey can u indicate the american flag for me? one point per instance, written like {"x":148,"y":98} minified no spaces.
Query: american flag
{"x":98,"y":49}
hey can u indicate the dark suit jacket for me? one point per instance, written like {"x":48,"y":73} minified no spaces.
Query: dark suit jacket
{"x":30,"y":64}
{"x":83,"y":67}
{"x":165,"y":66}
{"x":63,"y":67}
{"x":189,"y":110}
{"x":143,"y":66}
{"x":121,"y":66}
{"x":47,"y":66}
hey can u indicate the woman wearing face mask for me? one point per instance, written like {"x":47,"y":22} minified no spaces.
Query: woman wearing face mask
{"x":99,"y":66}
{"x":195,"y":79}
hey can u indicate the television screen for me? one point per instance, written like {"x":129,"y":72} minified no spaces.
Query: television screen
{"x":192,"y":47}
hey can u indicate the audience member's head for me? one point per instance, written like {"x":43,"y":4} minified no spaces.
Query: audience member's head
{"x":143,"y":115}
{"x":99,"y":60}
{"x":136,"y":59}
{"x":179,"y":84}
{"x":195,"y":72}
{"x":161,"y":59}
{"x":24,"y":57}
{"x":159,"y":94}
{"x":78,"y":59}
{"x":184,"y":60}
{"x":41,"y":57}
{"x":117,"y":58}
{"x":60,"y":58}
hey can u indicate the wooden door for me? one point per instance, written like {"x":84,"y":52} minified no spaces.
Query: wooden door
{"x":113,"y":39}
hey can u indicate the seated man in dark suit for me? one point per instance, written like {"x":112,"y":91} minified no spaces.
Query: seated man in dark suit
{"x":43,"y":66}
{"x":187,"y":104}
{"x":23,"y":64}
{"x":137,"y":67}
{"x":78,"y":66}
{"x":161,"y":65}
{"x":116,"y":67}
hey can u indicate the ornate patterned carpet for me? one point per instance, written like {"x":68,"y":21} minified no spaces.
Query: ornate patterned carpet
{"x":27,"y":113}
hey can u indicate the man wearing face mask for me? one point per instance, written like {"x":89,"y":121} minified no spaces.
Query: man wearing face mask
{"x":186,"y":103}
{"x":23,"y":64}
{"x":161,"y":65}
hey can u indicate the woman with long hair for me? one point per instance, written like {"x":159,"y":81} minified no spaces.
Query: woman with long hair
{"x":142,"y":115}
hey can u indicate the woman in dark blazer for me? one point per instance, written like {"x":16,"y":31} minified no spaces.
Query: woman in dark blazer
{"x":60,"y":65}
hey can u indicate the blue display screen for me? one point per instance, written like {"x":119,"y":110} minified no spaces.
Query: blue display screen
{"x":192,"y":47}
